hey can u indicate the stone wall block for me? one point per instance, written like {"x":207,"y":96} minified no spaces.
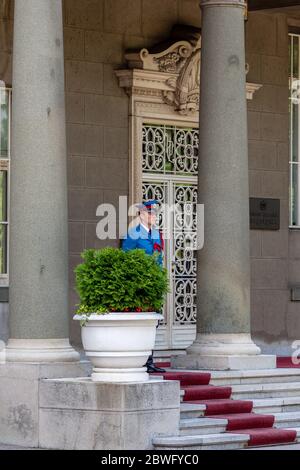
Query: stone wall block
{"x":261,"y":33}
{"x":104,"y":47}
{"x":269,"y":273}
{"x":85,"y":140}
{"x":87,"y":14}
{"x":123,"y":16}
{"x":84,"y":77}
{"x":73,"y":43}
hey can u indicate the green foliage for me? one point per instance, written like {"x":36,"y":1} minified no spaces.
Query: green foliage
{"x":114,"y":280}
{"x":85,"y":311}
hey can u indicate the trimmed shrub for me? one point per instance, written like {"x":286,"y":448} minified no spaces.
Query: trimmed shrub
{"x":114,"y":280}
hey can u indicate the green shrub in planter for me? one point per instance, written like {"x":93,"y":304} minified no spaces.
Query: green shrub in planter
{"x":112,"y":280}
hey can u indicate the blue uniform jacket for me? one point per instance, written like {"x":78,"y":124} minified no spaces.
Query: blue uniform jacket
{"x":150,"y":242}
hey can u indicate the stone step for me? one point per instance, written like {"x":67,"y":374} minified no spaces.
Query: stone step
{"x":261,"y":406}
{"x":269,"y":390}
{"x":221,"y":441}
{"x":276,"y":405}
{"x":191,"y":410}
{"x":11,"y":447}
{"x":255,"y":376}
{"x":216,"y":441}
{"x":202,"y":425}
{"x":238,"y":377}
{"x":196,"y":426}
{"x":287,"y":420}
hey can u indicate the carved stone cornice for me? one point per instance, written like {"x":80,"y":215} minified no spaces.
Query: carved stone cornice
{"x":170,"y":74}
{"x":141,"y":83}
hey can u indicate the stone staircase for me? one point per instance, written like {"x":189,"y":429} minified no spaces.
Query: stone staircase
{"x":235,"y":409}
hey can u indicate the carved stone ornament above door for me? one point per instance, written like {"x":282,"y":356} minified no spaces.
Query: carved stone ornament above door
{"x":170,"y":72}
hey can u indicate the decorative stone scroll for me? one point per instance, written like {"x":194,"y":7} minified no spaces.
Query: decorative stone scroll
{"x":185,"y":88}
{"x":170,"y":72}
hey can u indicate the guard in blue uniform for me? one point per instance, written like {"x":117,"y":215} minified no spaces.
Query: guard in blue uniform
{"x":144,"y":236}
{"x":148,"y":238}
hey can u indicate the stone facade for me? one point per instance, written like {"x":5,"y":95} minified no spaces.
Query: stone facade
{"x":96,"y":35}
{"x":274,"y":255}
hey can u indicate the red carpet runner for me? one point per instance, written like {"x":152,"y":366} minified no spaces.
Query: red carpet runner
{"x":287,"y":362}
{"x":241,"y":419}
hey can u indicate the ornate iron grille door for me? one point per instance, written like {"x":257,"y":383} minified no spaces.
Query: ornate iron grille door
{"x":170,"y":165}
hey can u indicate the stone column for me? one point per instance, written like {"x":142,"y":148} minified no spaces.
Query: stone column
{"x":223,"y":326}
{"x":38,"y":235}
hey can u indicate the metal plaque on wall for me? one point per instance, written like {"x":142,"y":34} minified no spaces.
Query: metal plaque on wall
{"x":264,"y":214}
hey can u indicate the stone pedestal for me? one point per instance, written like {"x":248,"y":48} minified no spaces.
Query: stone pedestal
{"x":79,"y":414}
{"x":19,"y":397}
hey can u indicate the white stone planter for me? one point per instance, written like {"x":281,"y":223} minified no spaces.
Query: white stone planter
{"x":118,"y":345}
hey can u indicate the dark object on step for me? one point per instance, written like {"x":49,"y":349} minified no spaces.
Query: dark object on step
{"x":151,"y":367}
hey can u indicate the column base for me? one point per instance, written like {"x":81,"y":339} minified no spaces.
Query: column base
{"x":223,"y":344}
{"x":224,"y":352}
{"x":40,"y":351}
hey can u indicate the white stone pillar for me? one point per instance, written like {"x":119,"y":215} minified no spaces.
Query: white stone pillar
{"x":38,"y":235}
{"x":223,"y":295}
